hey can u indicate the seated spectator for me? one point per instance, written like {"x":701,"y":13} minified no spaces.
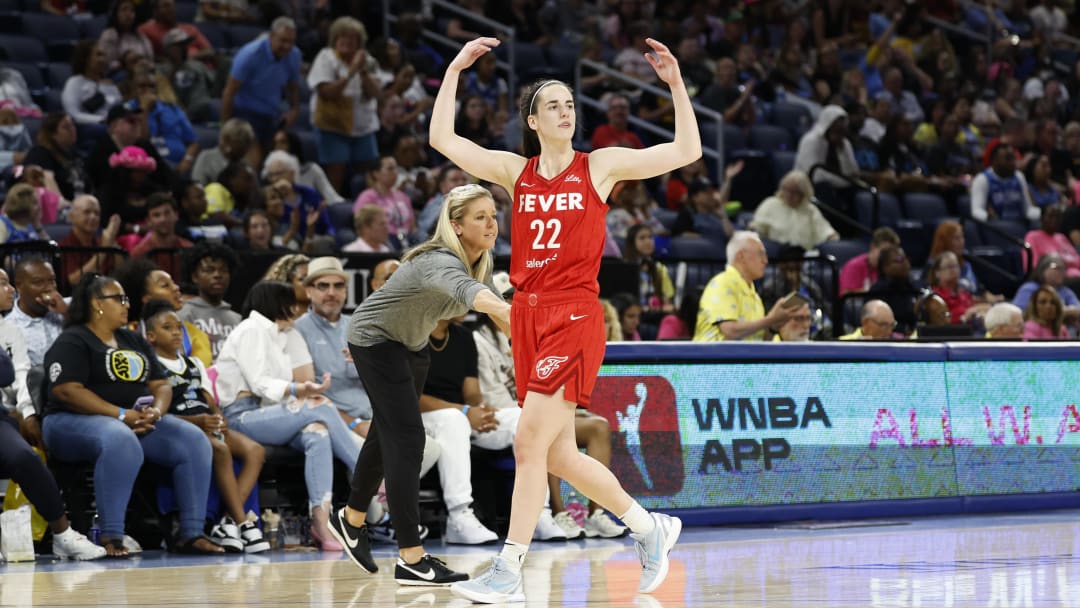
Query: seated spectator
{"x":382,"y":272}
{"x":168,"y":124}
{"x":1004,"y":320}
{"x":311,"y":174}
{"x":1001,"y":192}
{"x":14,"y":137}
{"x":678,"y":183}
{"x":900,"y":156}
{"x":860,"y":272}
{"x":284,"y":227}
{"x":903,"y":102}
{"x":616,"y":131}
{"x":1048,"y":239}
{"x":372,"y":233}
{"x":790,"y":217}
{"x":143,"y":281}
{"x":629,"y":311}
{"x":680,"y":324}
{"x":731,"y":308}
{"x":825,"y":144}
{"x":230,"y":11}
{"x":475,"y":122}
{"x":895,"y":287}
{"x":630,"y":204}
{"x":131,"y":186}
{"x":39,"y":312}
{"x":161,"y":217}
{"x":192,"y":402}
{"x":1042,"y":192}
{"x":382,"y":191}
{"x":789,"y":277}
{"x":948,"y":160}
{"x":88,"y":93}
{"x":944,"y":279}
{"x":15,"y":94}
{"x":191,"y":80}
{"x":55,"y":152}
{"x":344,"y":101}
{"x":1049,"y":271}
{"x":164,"y":21}
{"x":85,"y":218}
{"x":234,"y":143}
{"x":612,"y":328}
{"x":21,"y":218}
{"x":235,"y":191}
{"x":121,"y":37}
{"x":876,"y":322}
{"x":394,"y":123}
{"x":52,"y":204}
{"x":705,"y":212}
{"x":209,"y":267}
{"x":657,"y":292}
{"x":281,"y":170}
{"x":191,"y":198}
{"x":949,"y":236}
{"x":292,"y":270}
{"x":261,"y":400}
{"x":449,"y":177}
{"x":124,"y":128}
{"x":931,"y":309}
{"x":1044,"y":316}
{"x":105,"y":413}
{"x":259,"y":232}
{"x":725,"y":94}
{"x":797,"y":328}
{"x":20,"y":431}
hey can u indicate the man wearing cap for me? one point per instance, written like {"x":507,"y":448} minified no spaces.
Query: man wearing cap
{"x":325,"y":333}
{"x":164,"y":21}
{"x":704,"y":212}
{"x":126,"y":127}
{"x":265,"y":72}
{"x":191,"y":79}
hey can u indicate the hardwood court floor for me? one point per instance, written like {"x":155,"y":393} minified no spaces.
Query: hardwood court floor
{"x":1030,"y":559}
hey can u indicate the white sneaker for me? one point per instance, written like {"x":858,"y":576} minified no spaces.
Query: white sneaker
{"x":569,"y":525}
{"x":598,"y":524}
{"x":132,"y":545}
{"x":226,"y":534}
{"x":69,"y":544}
{"x":253,"y":539}
{"x":547,"y":529}
{"x":462,"y":528}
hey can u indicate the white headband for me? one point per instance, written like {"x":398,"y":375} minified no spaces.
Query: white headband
{"x":532,"y":102}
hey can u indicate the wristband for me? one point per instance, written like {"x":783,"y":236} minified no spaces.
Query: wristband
{"x":354,"y":423}
{"x":121,"y":415}
{"x":465,"y":409}
{"x":292,"y":389}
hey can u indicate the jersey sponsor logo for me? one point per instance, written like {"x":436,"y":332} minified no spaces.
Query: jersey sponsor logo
{"x":527,"y":185}
{"x":54,"y":371}
{"x":646,"y":446}
{"x":547,"y":366}
{"x":540,"y":263}
{"x":562,"y":201}
{"x":570,"y":179}
{"x":126,"y":365}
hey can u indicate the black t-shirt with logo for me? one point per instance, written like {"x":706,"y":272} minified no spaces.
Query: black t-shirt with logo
{"x":451,"y":364}
{"x":118,"y":375}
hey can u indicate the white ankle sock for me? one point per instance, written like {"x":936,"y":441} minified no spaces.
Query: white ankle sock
{"x":514,"y":555}
{"x":638,"y":519}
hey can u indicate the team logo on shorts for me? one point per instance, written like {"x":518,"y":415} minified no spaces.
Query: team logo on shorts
{"x":548,"y":365}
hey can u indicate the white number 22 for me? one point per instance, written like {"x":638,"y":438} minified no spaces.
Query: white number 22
{"x":554,"y":225}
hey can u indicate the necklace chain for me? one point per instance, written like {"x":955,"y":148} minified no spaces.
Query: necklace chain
{"x":442,"y":347}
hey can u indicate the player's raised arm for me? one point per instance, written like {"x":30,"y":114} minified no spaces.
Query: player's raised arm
{"x":615,"y":164}
{"x":492,"y":165}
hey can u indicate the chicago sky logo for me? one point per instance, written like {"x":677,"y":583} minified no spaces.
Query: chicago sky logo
{"x":646,"y":448}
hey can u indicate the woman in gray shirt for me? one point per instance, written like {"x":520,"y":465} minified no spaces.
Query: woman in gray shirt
{"x":442,"y":278}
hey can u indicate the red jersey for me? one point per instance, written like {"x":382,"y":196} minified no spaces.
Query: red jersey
{"x":558,"y":227}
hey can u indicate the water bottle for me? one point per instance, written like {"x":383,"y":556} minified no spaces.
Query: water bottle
{"x":576,"y":509}
{"x":95,"y":530}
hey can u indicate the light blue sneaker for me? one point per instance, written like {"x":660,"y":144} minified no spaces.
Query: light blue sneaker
{"x":653,"y":549}
{"x":497,"y":585}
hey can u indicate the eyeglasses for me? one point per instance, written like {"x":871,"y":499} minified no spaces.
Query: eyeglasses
{"x":324,"y":286}
{"x":119,"y":297}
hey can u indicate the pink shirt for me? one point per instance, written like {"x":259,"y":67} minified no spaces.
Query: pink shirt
{"x":1035,"y":331}
{"x":857,"y":274}
{"x":1043,"y":243}
{"x":398,"y":208}
{"x":672,"y":328}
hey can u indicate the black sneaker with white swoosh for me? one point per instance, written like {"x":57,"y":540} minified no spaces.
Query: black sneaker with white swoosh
{"x":355,"y":540}
{"x":429,"y":571}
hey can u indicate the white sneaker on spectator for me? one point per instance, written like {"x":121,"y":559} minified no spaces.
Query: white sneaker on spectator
{"x":70,"y":544}
{"x":132,"y":545}
{"x":547,"y":529}
{"x":253,"y":538}
{"x":569,"y":525}
{"x":226,"y":534}
{"x":462,"y":528}
{"x":598,"y":524}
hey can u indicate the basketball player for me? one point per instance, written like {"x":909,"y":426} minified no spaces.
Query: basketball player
{"x":558,"y":326}
{"x":442,"y":278}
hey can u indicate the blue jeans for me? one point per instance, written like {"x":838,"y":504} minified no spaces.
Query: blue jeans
{"x":279,"y":424}
{"x":118,"y":453}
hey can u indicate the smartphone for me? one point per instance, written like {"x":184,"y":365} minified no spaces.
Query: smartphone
{"x":143,"y":402}
{"x":794,"y":300}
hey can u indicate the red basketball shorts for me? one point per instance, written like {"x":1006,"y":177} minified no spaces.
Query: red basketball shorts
{"x":558,"y":341}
